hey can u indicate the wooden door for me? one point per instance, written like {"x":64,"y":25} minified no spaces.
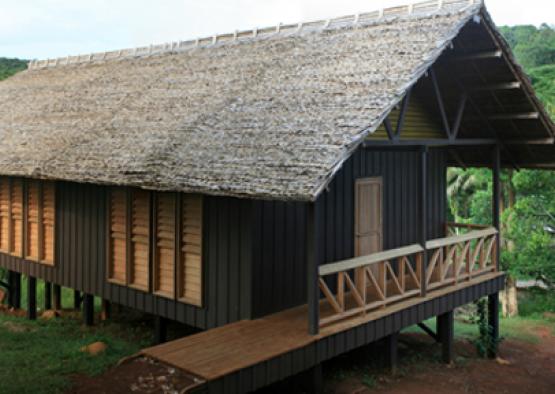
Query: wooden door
{"x":368,"y":222}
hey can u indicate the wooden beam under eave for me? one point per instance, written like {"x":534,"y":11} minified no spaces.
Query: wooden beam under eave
{"x":497,"y":86}
{"x":497,"y":54}
{"x":515,"y":116}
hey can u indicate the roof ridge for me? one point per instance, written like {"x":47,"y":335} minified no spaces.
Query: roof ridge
{"x":427,"y":7}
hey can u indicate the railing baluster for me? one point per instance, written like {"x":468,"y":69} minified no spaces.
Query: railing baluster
{"x":341,"y":290}
{"x":401,"y":269}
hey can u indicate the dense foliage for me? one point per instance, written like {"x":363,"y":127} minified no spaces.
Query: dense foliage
{"x":8,"y":67}
{"x":528,"y":196}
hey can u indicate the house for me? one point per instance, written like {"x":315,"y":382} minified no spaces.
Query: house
{"x":281,"y":189}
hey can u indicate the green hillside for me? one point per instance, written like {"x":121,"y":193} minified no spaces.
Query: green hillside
{"x":9,"y":67}
{"x":535,"y":50}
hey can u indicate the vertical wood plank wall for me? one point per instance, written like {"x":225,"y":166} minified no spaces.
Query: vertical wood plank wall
{"x":80,"y":263}
{"x":278,"y":259}
{"x":253,"y":251}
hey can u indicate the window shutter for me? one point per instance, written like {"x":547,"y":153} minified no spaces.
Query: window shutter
{"x":48,"y":213}
{"x":32,"y":212}
{"x":16,"y":218}
{"x":4,"y":214}
{"x":190,"y":273}
{"x":140,"y":239}
{"x":118,"y":236}
{"x":164,"y":261}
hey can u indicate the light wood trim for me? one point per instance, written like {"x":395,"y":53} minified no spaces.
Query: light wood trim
{"x":440,"y":242}
{"x":345,"y":265}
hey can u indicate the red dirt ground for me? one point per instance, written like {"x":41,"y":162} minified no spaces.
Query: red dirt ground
{"x":522,"y":368}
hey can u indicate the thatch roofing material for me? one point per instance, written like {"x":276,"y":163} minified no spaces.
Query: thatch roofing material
{"x":271,"y":116}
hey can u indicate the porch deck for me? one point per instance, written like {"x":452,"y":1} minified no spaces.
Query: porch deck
{"x":391,"y":290}
{"x":222,"y":351}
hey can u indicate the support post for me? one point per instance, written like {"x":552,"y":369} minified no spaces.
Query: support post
{"x":10,"y":289}
{"x":392,"y":351}
{"x":423,"y":219}
{"x":313,"y":296}
{"x":31,"y":298}
{"x":47,"y":295}
{"x":313,"y":380}
{"x":106,"y":311}
{"x":493,"y":322}
{"x":88,"y":309}
{"x":446,"y":331}
{"x":57,"y":295}
{"x":77,"y":299}
{"x":496,"y":199}
{"x":16,"y":277}
{"x":160,"y":330}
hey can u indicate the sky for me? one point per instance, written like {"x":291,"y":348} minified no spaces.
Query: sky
{"x":39,"y":29}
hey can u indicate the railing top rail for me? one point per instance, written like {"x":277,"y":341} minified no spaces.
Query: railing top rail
{"x":467,"y":225}
{"x":344,"y":265}
{"x":440,"y":242}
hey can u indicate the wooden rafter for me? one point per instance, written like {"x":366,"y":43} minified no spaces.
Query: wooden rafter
{"x":440,"y":104}
{"x":460,"y":111}
{"x":496,"y":86}
{"x":402,"y":113}
{"x":496,"y":54}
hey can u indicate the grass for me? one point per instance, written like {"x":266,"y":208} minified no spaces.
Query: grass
{"x":42,"y":356}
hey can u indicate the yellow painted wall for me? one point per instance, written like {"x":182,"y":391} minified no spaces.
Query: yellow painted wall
{"x":418,"y":123}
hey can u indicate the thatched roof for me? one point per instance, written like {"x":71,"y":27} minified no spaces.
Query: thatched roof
{"x":271,"y":113}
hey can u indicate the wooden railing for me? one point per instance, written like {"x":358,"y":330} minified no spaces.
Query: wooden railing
{"x":380,"y":279}
{"x":460,"y":257}
{"x":356,"y":286}
{"x":452,"y":228}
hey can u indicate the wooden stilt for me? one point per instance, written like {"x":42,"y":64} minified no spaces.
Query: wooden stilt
{"x":446,"y":330}
{"x":57,"y":295}
{"x":47,"y":295}
{"x":31,"y":298}
{"x":77,"y":299}
{"x":88,"y":309}
{"x":391,"y":352}
{"x":160,"y":330}
{"x":493,"y":321}
{"x":17,"y":290}
{"x":106,"y":311}
{"x":312,"y":380}
{"x":10,"y":289}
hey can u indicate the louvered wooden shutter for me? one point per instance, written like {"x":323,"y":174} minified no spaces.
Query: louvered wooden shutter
{"x":48,"y":216}
{"x":16,"y":218}
{"x":32,"y":212}
{"x":140,"y":239}
{"x":4,"y":214}
{"x":190,"y":272}
{"x":118,"y":236}
{"x":164,"y":261}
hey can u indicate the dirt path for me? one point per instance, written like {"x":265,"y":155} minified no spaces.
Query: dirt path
{"x":523,"y":368}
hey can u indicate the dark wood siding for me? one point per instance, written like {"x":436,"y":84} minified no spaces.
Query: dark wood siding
{"x":81,"y":257}
{"x":279,"y":249}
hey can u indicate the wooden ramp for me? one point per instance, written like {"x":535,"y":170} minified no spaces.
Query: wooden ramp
{"x":222,"y":351}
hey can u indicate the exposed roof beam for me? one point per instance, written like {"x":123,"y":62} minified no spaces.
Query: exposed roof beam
{"x":458,"y":119}
{"x":439,"y":99}
{"x":537,"y":141}
{"x":526,"y":84}
{"x":479,"y":55}
{"x":458,"y":142}
{"x":524,"y":115}
{"x":497,"y":86}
